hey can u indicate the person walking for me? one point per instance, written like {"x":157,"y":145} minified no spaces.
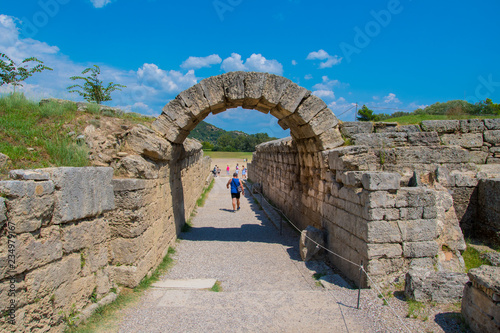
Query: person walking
{"x":227,"y":169}
{"x":236,"y":189}
{"x":243,"y":172}
{"x":237,"y":170}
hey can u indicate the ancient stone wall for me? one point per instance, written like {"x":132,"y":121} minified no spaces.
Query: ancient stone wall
{"x":70,"y":235}
{"x":390,"y":200}
{"x":489,"y":210}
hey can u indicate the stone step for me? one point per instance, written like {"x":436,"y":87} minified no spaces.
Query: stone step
{"x":185,"y":284}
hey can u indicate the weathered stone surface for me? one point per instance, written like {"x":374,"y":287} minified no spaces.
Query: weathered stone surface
{"x":19,"y":189}
{"x":465,"y":140}
{"x":492,"y":124}
{"x":423,"y":139}
{"x":198,"y":106}
{"x":489,"y":210}
{"x":138,"y":167}
{"x":427,"y":285}
{"x":254,"y":85}
{"x":120,"y":185}
{"x":381,"y":140}
{"x":179,"y":114}
{"x":292,"y":97}
{"x":330,"y":139}
{"x":385,"y":127}
{"x":492,"y":257}
{"x":471,"y":125}
{"x":144,"y":141}
{"x":376,"y":181}
{"x":420,"y":249}
{"x":234,"y":88}
{"x":487,"y":279}
{"x":492,"y":137}
{"x":349,"y":128}
{"x":84,"y":235}
{"x":274,"y":88}
{"x":479,"y":311}
{"x":323,"y":121}
{"x":377,"y":251}
{"x":310,"y":241}
{"x":82,"y":192}
{"x":3,"y":210}
{"x":309,"y":108}
{"x":168,"y":129}
{"x":409,"y":128}
{"x":213,"y":90}
{"x":418,"y":230}
{"x":383,"y":232}
{"x":28,"y":175}
{"x":441,"y":126}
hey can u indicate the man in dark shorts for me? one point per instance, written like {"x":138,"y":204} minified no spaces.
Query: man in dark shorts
{"x":235,"y":182}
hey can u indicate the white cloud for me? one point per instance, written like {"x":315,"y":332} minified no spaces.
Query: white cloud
{"x":308,"y":77}
{"x":391,"y":98}
{"x":326,"y":84}
{"x":413,"y":106}
{"x":256,"y":62}
{"x":100,"y":3}
{"x":200,"y":62}
{"x":170,"y":81}
{"x":324,"y":94}
{"x":328,"y":60}
{"x":294,"y":62}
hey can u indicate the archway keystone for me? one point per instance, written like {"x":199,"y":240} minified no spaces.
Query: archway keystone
{"x":306,"y":115}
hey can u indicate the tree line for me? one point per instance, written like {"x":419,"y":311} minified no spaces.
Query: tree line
{"x":242,"y":142}
{"x":450,"y":108}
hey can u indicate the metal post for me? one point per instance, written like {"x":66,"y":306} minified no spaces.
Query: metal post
{"x":359,"y":282}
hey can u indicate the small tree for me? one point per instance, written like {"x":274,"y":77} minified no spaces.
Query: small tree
{"x":93,"y":89}
{"x":11,"y":73}
{"x":365,"y":114}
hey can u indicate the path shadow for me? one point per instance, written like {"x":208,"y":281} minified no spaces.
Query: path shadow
{"x":451,"y":322}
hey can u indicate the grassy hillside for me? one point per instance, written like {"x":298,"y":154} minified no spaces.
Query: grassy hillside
{"x":210,"y":133}
{"x":35,"y":136}
{"x":417,"y":118}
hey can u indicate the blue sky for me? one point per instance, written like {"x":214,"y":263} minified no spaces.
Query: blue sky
{"x":392,"y":54}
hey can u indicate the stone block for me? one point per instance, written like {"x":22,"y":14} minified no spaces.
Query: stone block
{"x":44,"y":281}
{"x":350,"y":178}
{"x":383,"y":232}
{"x":376,"y":181}
{"x":377,"y":251}
{"x":167,"y":128}
{"x":479,"y":311}
{"x":418,"y":196}
{"x":213,"y":90}
{"x":195,"y":101}
{"x":292,"y":97}
{"x":492,"y":124}
{"x":461,"y":179}
{"x":38,"y":175}
{"x":411,"y":213}
{"x":274,"y":89}
{"x":441,"y":126}
{"x":254,"y":85}
{"x":492,"y":137}
{"x":310,"y":241}
{"x":471,"y":126}
{"x":381,"y":140}
{"x":18,"y":189}
{"x":28,"y":214}
{"x":378,"y":199}
{"x":418,"y":230}
{"x":83,"y":192}
{"x":420,"y":249}
{"x":120,"y":185}
{"x":85,"y":234}
{"x":144,"y":141}
{"x":178,"y":113}
{"x":349,"y":128}
{"x":409,"y":129}
{"x":465,"y":140}
{"x":309,"y":108}
{"x":33,"y":252}
{"x":427,"y":285}
{"x":330,"y":139}
{"x":487,"y":279}
{"x":138,"y":167}
{"x":423,"y":139}
{"x":234,"y":88}
{"x":323,"y":121}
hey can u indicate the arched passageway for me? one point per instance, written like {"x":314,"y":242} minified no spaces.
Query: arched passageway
{"x":306,"y":115}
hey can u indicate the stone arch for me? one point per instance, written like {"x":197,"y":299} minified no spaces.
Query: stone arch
{"x":307,"y":116}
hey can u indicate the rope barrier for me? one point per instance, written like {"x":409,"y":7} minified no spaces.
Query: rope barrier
{"x":339,"y":256}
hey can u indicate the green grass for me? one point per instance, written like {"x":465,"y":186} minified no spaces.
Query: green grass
{"x":201,"y":200}
{"x":35,"y":136}
{"x":104,"y":318}
{"x":216,"y":287}
{"x":415,"y":309}
{"x":472,"y":259}
{"x":416,"y":119}
{"x":229,"y":155}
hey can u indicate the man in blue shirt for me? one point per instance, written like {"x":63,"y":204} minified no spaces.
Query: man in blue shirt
{"x":236,"y":187}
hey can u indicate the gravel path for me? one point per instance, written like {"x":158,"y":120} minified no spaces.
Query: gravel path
{"x":265,"y":285}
